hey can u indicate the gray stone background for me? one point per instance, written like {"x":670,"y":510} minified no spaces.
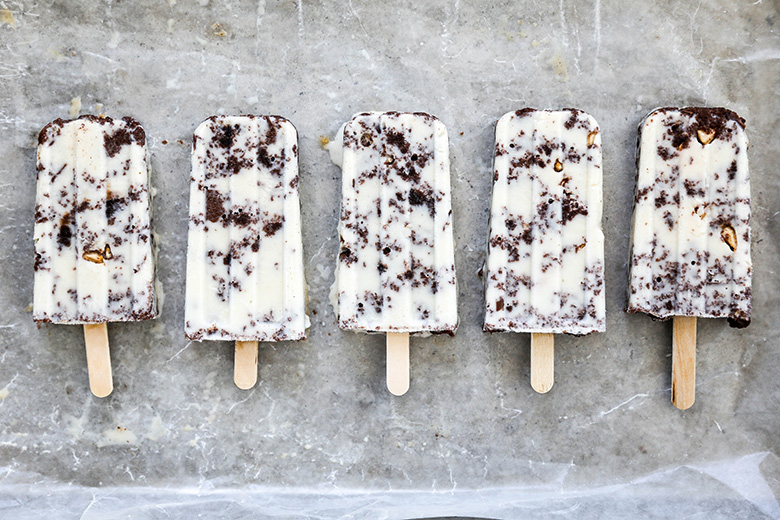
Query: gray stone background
{"x":320,"y":436}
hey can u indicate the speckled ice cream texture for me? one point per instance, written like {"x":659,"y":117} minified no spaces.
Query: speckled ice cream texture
{"x":545,"y":267}
{"x":245,"y":278}
{"x":691,"y":226}
{"x":396,"y":270}
{"x":93,"y":243}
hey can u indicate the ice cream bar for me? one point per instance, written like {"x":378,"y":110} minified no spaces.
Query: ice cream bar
{"x":396,"y":269}
{"x":690,"y":249}
{"x":690,"y":252}
{"x":245,"y":278}
{"x":94,"y":259}
{"x":545,"y":266}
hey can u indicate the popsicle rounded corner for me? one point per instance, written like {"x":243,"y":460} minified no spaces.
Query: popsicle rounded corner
{"x":504,"y":119}
{"x":202,"y":127}
{"x":503,"y":123}
{"x":349,"y":124}
{"x":645,"y":123}
{"x":593,"y":124}
{"x":590,"y":123}
{"x":52,"y":127}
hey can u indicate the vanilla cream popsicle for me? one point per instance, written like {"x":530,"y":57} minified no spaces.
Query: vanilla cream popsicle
{"x":690,"y":250}
{"x":94,"y":259}
{"x":396,"y":271}
{"x":245,"y":279}
{"x":545,"y":266}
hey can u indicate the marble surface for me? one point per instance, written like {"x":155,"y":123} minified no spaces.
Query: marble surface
{"x":320,"y":435}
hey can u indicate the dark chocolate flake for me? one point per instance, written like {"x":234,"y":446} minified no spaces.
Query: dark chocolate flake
{"x":347,"y":256}
{"x":39,"y":262}
{"x":262,"y":156}
{"x":214,"y":208}
{"x":271,"y":227}
{"x":422,"y":198}
{"x":397,"y":139}
{"x":571,"y":207}
{"x":732,"y":171}
{"x":224,"y":136}
{"x":112,"y":206}
{"x":65,"y":234}
{"x":113,"y":143}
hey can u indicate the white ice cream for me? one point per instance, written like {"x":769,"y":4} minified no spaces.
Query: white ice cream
{"x":545,"y":267}
{"x":245,"y":277}
{"x":691,"y":226}
{"x":396,"y":270}
{"x":93,"y":242}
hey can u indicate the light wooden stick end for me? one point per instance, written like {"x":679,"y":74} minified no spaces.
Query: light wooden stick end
{"x":542,"y":362}
{"x":98,"y":359}
{"x":684,"y":362}
{"x":245,"y":367}
{"x":398,"y":362}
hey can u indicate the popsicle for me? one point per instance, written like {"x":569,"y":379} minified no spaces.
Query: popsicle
{"x":396,"y":270}
{"x":94,"y":260}
{"x":245,"y":280}
{"x":545,"y":265}
{"x":690,"y":248}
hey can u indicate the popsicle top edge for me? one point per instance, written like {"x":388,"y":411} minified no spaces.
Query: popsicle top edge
{"x":393,"y":113}
{"x":575,"y":114}
{"x":710,"y":118}
{"x":133,"y":125}
{"x":249,"y":117}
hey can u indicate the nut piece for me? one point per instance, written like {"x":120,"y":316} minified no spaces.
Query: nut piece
{"x":558,"y":166}
{"x":729,"y":236}
{"x":705,"y":136}
{"x":93,"y":256}
{"x":217,"y":30}
{"x":592,"y":137}
{"x":107,"y":254}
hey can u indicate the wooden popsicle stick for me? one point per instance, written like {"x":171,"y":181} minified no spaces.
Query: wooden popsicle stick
{"x":684,"y":362}
{"x":398,"y":362}
{"x":245,"y":368}
{"x":542,"y":362}
{"x":98,"y":359}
